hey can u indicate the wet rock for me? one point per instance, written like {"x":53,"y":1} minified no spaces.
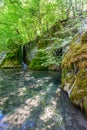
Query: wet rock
{"x":2,"y":57}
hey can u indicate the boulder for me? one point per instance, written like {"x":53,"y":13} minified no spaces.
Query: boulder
{"x":10,"y":60}
{"x":11,"y":63}
{"x":74,"y":71}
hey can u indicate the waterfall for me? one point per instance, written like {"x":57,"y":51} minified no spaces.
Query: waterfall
{"x":23,"y":57}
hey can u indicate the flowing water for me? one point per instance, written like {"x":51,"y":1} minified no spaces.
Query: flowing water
{"x":32,"y":100}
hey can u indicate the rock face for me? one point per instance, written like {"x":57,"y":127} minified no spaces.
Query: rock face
{"x":2,"y":57}
{"x":74,"y":71}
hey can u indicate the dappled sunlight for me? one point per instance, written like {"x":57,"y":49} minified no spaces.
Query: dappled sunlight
{"x":48,"y":113}
{"x":27,"y":78}
{"x":51,"y":84}
{"x":3,"y":100}
{"x":19,"y":116}
{"x":29,"y":100}
{"x":35,"y":102}
{"x":21,"y":91}
{"x":22,"y":113}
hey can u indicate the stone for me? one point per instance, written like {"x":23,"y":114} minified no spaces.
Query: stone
{"x":2,"y":57}
{"x":74,"y":72}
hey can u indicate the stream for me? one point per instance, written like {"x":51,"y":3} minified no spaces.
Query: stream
{"x":33,"y":100}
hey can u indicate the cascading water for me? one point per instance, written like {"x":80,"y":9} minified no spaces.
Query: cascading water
{"x":23,"y":57}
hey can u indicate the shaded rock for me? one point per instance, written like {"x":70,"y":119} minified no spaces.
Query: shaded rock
{"x":2,"y":57}
{"x":54,"y":67}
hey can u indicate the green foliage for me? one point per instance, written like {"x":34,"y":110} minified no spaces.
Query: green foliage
{"x":46,"y":57}
{"x":38,"y":62}
{"x":22,"y":21}
{"x":51,"y":55}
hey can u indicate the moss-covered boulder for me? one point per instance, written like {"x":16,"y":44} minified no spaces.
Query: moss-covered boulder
{"x":38,"y":62}
{"x":74,"y":71}
{"x":11,"y":59}
{"x":11,"y":63}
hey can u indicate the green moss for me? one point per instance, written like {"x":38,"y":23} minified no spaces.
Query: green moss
{"x":80,"y":83}
{"x":38,"y":61}
{"x":84,"y":37}
{"x":74,"y":71}
{"x":42,"y":43}
{"x":11,"y":63}
{"x":85,"y":105}
{"x":36,"y":64}
{"x":12,"y":59}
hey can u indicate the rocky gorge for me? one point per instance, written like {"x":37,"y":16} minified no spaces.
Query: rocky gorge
{"x":56,"y":50}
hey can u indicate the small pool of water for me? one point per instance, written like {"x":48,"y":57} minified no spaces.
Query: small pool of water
{"x":33,"y":100}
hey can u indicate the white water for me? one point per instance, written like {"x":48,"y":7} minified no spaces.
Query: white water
{"x":23,"y":63}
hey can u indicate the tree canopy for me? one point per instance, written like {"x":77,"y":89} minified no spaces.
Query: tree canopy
{"x":23,"y":20}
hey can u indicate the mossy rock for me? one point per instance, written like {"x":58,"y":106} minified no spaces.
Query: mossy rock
{"x":11,"y":63}
{"x":12,"y":59}
{"x":54,"y":67}
{"x":42,"y":43}
{"x":74,"y":72}
{"x":38,"y":62}
{"x":84,"y":37}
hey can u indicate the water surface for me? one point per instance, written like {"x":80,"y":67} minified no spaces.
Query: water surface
{"x":32,"y":100}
